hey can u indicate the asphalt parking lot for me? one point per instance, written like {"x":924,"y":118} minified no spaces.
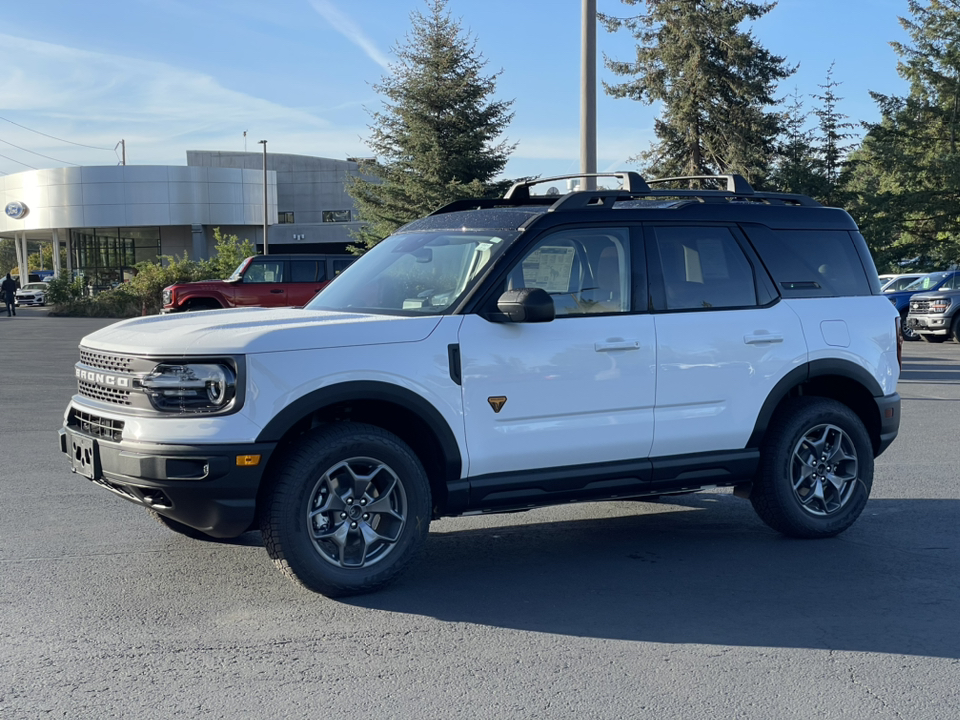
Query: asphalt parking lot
{"x":684,"y":609}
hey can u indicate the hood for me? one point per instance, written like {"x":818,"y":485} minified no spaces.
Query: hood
{"x":255,"y":330}
{"x":199,"y":284}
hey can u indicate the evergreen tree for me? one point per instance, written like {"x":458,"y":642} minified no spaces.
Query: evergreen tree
{"x":796,"y":168}
{"x":832,"y":145}
{"x":715,"y":81}
{"x":435,"y":140}
{"x":906,"y":178}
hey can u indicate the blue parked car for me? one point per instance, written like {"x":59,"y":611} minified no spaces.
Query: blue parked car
{"x":901,"y":299}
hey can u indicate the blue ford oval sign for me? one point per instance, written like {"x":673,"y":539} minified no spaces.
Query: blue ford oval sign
{"x":17,"y":210}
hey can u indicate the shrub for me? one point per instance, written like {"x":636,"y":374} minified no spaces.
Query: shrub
{"x":143,"y":294}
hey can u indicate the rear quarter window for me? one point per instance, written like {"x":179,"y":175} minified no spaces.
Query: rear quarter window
{"x":812,"y":263}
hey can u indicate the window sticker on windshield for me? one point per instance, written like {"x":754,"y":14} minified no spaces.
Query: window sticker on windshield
{"x":549,"y":268}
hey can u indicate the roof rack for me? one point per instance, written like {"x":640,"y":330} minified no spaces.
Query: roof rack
{"x":631,"y":182}
{"x":735,"y":183}
{"x":634,"y":188}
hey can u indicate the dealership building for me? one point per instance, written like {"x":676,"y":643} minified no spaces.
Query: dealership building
{"x":110,"y":218}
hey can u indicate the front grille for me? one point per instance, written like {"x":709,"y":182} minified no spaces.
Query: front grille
{"x":104,"y":394}
{"x":920,"y":305}
{"x":100,"y":427}
{"x":103,"y":361}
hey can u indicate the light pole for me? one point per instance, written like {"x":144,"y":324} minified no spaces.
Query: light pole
{"x":266,"y":251}
{"x":588,"y":92}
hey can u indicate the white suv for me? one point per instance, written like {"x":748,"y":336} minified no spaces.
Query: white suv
{"x":506,"y":354}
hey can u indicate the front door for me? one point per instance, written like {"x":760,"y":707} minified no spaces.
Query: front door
{"x":574,"y":391}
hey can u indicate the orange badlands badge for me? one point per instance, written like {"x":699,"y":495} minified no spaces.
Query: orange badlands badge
{"x":497,"y":403}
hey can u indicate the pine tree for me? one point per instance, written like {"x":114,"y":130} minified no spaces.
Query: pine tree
{"x":796,"y":168}
{"x":715,"y":81}
{"x":436,"y":139}
{"x":832,"y":145}
{"x":906,"y":178}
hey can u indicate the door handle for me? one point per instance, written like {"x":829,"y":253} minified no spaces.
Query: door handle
{"x":611,"y":345}
{"x":762,"y":338}
{"x":276,"y":290}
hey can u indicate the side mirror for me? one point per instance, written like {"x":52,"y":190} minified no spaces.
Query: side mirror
{"x":527,"y":305}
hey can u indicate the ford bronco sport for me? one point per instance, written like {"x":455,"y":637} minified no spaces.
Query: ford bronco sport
{"x":505,"y":354}
{"x":261,"y":281}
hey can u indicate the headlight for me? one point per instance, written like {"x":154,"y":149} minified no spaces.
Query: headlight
{"x":939,"y":305}
{"x":167,"y":296}
{"x":190,"y":387}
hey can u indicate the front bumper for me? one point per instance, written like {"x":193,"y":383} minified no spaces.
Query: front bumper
{"x":198,"y":485}
{"x":929,"y":324}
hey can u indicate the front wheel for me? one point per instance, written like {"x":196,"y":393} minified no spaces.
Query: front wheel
{"x":349,"y":509}
{"x":816,"y":469}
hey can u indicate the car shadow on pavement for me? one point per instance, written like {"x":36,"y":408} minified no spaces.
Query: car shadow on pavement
{"x":706,"y":573}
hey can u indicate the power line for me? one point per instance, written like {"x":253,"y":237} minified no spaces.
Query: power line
{"x":91,"y":147}
{"x":18,"y":162}
{"x":36,"y":153}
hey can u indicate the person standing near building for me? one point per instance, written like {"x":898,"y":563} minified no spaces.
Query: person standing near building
{"x":8,"y":288}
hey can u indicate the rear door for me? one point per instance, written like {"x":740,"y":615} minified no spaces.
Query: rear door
{"x":307,"y":277}
{"x":723,"y":339}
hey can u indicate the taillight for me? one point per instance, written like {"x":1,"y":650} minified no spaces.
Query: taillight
{"x":898,"y":321}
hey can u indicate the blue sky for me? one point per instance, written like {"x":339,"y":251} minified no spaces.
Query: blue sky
{"x":169,"y":76}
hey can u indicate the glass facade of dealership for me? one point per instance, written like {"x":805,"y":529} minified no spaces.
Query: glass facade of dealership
{"x":107,"y":256}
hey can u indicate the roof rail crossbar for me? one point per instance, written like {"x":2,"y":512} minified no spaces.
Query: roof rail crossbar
{"x":631,"y":182}
{"x":735,"y":183}
{"x":488,"y":203}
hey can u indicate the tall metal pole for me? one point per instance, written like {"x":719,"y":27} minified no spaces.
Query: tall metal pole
{"x":266,"y":251}
{"x":588,"y":92}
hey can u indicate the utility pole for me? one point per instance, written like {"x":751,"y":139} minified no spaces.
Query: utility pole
{"x":123,"y":151}
{"x":266,"y":251}
{"x":588,"y":92}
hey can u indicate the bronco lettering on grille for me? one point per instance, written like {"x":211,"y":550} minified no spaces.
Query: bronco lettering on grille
{"x":103,"y":378}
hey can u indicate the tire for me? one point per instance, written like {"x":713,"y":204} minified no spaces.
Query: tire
{"x":908,"y":332}
{"x":803,"y":500}
{"x":348,"y":511}
{"x":955,"y":329}
{"x":179,"y":527}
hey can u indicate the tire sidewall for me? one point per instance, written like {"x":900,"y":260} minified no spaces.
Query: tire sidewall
{"x":776,"y":481}
{"x":287,"y":509}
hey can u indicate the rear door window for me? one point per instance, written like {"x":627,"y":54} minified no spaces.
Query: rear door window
{"x":704,"y":268}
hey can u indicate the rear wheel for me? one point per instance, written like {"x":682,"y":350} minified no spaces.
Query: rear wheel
{"x":348,"y":511}
{"x":816,"y":469}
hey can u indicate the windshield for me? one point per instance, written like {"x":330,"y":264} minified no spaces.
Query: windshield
{"x":927,"y":282}
{"x":35,"y":286}
{"x":422,"y":273}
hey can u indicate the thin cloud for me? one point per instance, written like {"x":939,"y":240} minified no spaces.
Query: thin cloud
{"x":349,"y":29}
{"x":159,"y":109}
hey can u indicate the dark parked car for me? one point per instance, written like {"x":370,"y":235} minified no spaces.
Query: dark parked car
{"x":928,"y":283}
{"x":933,"y":316}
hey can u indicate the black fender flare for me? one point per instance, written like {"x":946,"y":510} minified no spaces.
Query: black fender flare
{"x":318,"y":399}
{"x":799,"y":375}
